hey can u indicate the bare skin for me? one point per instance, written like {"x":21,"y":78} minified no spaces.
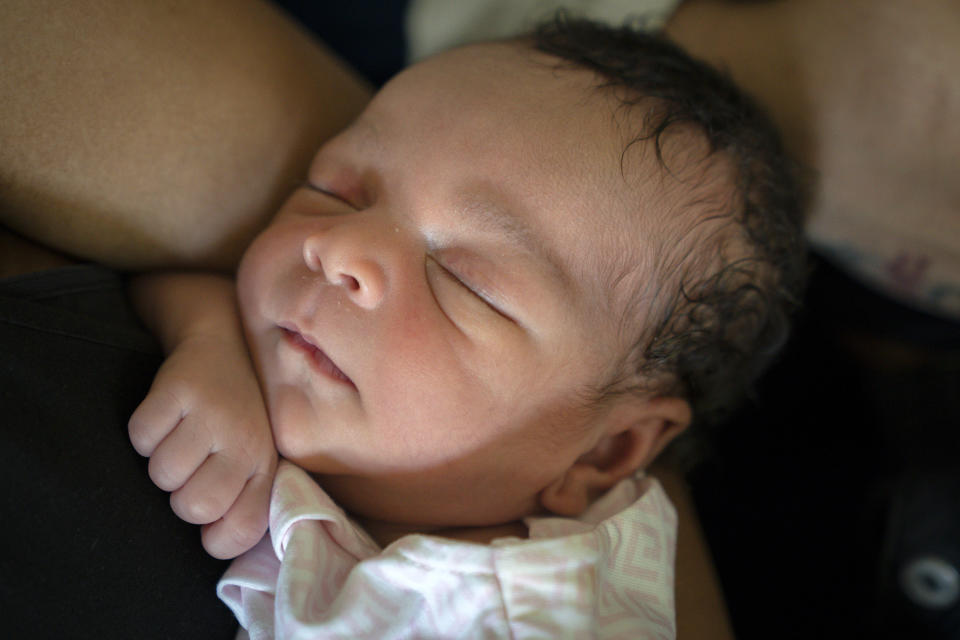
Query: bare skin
{"x":159,"y":133}
{"x":865,"y":94}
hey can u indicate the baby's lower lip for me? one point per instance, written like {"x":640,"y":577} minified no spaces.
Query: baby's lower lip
{"x":318,"y":359}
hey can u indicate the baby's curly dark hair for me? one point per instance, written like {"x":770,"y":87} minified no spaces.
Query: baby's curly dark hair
{"x":723,"y":306}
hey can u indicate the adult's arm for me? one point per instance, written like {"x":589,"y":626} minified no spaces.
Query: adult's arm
{"x":159,"y":132}
{"x":866,"y":95}
{"x":701,"y":610}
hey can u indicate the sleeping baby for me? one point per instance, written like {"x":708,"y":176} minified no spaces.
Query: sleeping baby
{"x":499,"y":294}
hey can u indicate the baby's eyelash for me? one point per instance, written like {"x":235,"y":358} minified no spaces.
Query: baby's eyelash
{"x":453,"y":276}
{"x":306,"y":184}
{"x":310,"y":186}
{"x":463,"y":283}
{"x":475,"y":291}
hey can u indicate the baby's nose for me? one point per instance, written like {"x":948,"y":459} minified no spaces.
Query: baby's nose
{"x":346,"y":260}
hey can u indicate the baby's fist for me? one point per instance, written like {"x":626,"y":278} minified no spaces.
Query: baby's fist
{"x":205,"y":428}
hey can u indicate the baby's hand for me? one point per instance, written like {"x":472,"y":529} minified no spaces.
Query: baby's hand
{"x":205,"y":428}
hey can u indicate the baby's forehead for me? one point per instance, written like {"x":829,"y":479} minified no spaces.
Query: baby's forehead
{"x":506,"y":60}
{"x":506,"y":77}
{"x":564,"y":142}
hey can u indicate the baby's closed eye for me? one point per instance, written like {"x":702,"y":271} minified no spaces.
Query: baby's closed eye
{"x":463,"y":300}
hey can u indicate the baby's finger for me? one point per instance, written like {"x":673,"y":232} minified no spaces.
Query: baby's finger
{"x":152,"y":421}
{"x":244,"y":524}
{"x":211,"y":490}
{"x":177,"y":458}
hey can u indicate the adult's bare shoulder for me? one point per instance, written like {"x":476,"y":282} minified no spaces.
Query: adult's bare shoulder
{"x":158,"y":132}
{"x":886,"y":147}
{"x":838,"y":70}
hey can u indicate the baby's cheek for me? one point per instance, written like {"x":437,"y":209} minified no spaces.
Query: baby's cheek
{"x":260,"y":280}
{"x":249,"y":274}
{"x":297,"y":430}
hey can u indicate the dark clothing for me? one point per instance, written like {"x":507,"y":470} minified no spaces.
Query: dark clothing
{"x":90,"y":546}
{"x":842,"y":477}
{"x":366,"y":33}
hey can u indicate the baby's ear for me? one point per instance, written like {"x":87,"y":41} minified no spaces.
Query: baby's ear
{"x":634,"y":431}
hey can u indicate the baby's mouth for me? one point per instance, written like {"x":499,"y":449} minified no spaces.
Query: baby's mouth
{"x":318,"y":358}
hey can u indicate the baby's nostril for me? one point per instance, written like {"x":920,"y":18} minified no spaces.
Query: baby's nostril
{"x":349,"y":282}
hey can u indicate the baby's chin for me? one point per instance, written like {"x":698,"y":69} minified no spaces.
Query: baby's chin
{"x":295,"y":432}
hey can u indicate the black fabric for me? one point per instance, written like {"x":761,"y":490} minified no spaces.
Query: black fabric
{"x":369,"y":34}
{"x":90,"y":548}
{"x":841,"y":473}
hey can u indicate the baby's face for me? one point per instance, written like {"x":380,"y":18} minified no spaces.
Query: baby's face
{"x":426,"y":314}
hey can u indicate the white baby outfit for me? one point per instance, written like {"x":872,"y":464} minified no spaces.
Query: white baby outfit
{"x":607,"y":574}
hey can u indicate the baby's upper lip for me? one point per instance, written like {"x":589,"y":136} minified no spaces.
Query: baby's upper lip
{"x":291,"y":327}
{"x":320,"y":356}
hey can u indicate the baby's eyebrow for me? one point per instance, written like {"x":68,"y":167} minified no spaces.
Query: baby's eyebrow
{"x":492,"y":217}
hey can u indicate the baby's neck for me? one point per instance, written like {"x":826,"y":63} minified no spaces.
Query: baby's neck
{"x":386,"y":532}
